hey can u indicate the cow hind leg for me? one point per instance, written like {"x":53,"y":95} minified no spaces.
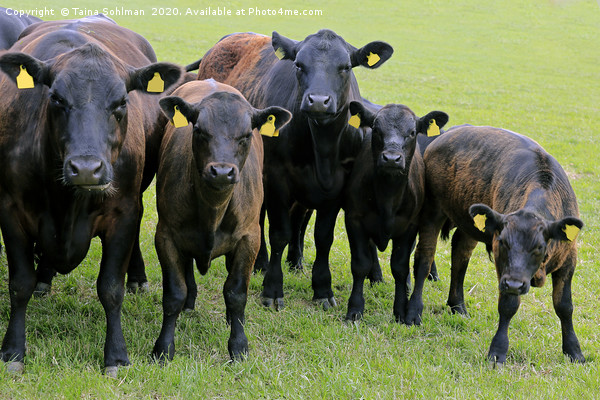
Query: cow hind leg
{"x":279,"y":237}
{"x":321,"y":275}
{"x":360,"y":250}
{"x":299,"y":219}
{"x":44,"y":274}
{"x":262,"y":259}
{"x":375,"y":275}
{"x":563,"y":305}
{"x":462,"y":249}
{"x":136,"y":272}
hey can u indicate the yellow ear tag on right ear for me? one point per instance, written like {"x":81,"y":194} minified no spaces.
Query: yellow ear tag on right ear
{"x":479,"y":220}
{"x":179,"y":120}
{"x":372,"y":59}
{"x":433,"y":129}
{"x":156,"y":84}
{"x":24,"y":80}
{"x":280,"y":53}
{"x":268,"y":128}
{"x":571,"y":231}
{"x":354,"y":121}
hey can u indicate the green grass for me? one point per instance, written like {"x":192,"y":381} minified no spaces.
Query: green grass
{"x":532,"y":67}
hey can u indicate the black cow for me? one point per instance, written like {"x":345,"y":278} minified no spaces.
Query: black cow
{"x":383,"y":199}
{"x":11,"y":26}
{"x":209,"y":196}
{"x":502,"y":189}
{"x":307,"y":162}
{"x":72,"y":154}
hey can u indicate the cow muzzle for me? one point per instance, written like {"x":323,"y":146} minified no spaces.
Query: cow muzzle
{"x":392,"y":160}
{"x":516,"y":286}
{"x":87,"y":172}
{"x":221,"y":175}
{"x":317,"y":105}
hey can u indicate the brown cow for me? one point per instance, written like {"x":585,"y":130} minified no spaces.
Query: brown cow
{"x":528,"y":220}
{"x":73,"y":126}
{"x":209,"y":194}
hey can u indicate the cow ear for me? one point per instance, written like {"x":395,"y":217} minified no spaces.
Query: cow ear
{"x":25,"y":70}
{"x":270,"y":120}
{"x":179,"y":112}
{"x":373,"y":55}
{"x":360,"y":116}
{"x":431,"y":123}
{"x":565,"y":229}
{"x":285,"y":49}
{"x":154,"y":78}
{"x":486,"y":220}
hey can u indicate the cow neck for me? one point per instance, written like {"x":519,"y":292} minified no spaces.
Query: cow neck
{"x":389,"y":191}
{"x":327,"y":158}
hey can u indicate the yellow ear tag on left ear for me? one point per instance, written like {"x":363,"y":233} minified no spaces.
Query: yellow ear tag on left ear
{"x":479,"y":220}
{"x":372,"y":59}
{"x":156,"y":84}
{"x":354,"y":121}
{"x":179,"y":120}
{"x":433,"y":129}
{"x":24,"y":80}
{"x":268,"y":128}
{"x":280,"y":53}
{"x":571,"y":231}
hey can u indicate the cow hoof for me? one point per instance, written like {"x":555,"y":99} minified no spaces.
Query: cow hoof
{"x":353,"y":316}
{"x":42,"y":289}
{"x":111,"y":372}
{"x":15,"y":367}
{"x":187,"y":310}
{"x":493,"y":364}
{"x":277,"y":303}
{"x":327,"y":303}
{"x":433,"y":277}
{"x":136,"y":287}
{"x":459,"y":309}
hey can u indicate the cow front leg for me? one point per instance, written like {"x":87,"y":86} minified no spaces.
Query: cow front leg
{"x":235,"y":292}
{"x":174,"y":266}
{"x":563,"y":305}
{"x":22,"y":279}
{"x":321,"y":275}
{"x":508,"y":304}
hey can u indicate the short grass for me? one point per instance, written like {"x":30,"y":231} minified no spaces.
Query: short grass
{"x":532,"y":67}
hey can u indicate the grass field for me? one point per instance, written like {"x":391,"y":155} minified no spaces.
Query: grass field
{"x":532,"y":67}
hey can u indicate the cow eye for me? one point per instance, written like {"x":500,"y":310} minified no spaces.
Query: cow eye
{"x":344,"y":69}
{"x":413,"y":133}
{"x":244,"y":140}
{"x":299,"y":67}
{"x":57,"y":101}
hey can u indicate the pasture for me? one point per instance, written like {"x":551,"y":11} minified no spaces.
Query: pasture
{"x":531,"y":67}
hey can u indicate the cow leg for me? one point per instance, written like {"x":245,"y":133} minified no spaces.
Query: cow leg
{"x":192,"y":288}
{"x":44,"y":276}
{"x":563,"y":305}
{"x":235,"y":292}
{"x":375,"y":275}
{"x":174,"y":266}
{"x":361,"y":263}
{"x":462,"y":249}
{"x":262,"y":260}
{"x":433,"y":274}
{"x":400,"y":270}
{"x":508,"y":304}
{"x":279,"y":237}
{"x":117,"y":244}
{"x":299,"y":218}
{"x":321,"y":275}
{"x":136,"y":272}
{"x":21,"y":275}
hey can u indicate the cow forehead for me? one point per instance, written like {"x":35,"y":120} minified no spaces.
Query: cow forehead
{"x":324,"y":48}
{"x":524,"y":228}
{"x":395,"y":118}
{"x":224,"y":109}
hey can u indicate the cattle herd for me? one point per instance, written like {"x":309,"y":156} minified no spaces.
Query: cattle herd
{"x":269,"y":126}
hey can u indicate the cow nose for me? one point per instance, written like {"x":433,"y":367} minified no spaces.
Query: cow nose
{"x":319,"y":103}
{"x":392,"y":158}
{"x":513,"y":286}
{"x":85,"y":170}
{"x":221,"y":174}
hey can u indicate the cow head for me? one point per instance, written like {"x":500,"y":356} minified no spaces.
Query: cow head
{"x":222,"y":133}
{"x":324,"y":63}
{"x":394,"y":134}
{"x":87,"y":106}
{"x":519,"y":243}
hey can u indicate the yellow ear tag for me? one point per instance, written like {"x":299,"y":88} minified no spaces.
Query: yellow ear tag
{"x":24,"y":80}
{"x":354,"y":121}
{"x":571,"y":231}
{"x":433,"y":129}
{"x":156,"y":84}
{"x":280,"y":53}
{"x":479,"y":220}
{"x":372,"y":59}
{"x":179,"y":120}
{"x":268,"y":128}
